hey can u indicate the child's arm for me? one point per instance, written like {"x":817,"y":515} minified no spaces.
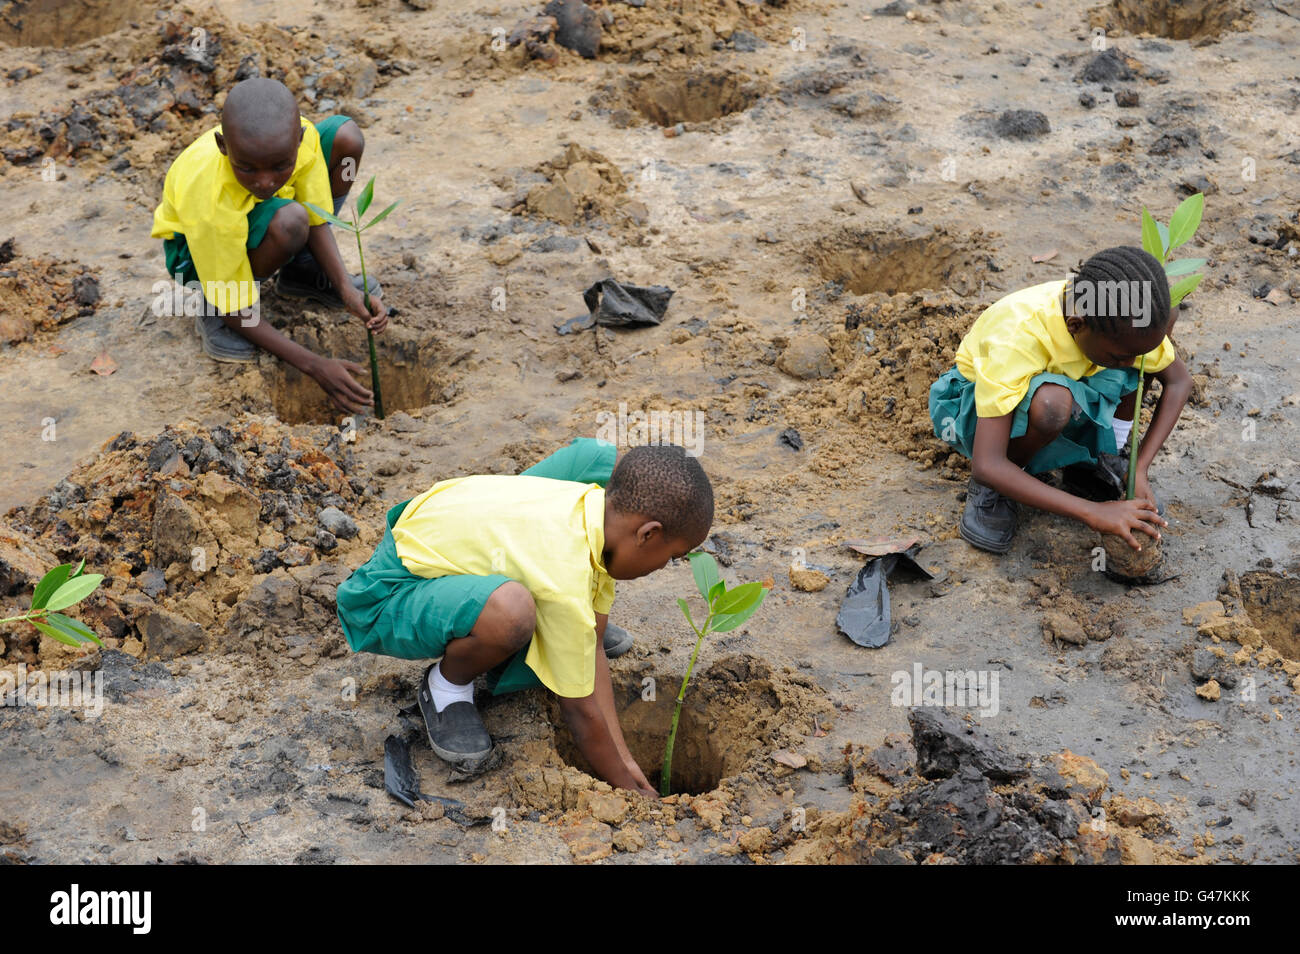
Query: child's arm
{"x":593,"y":721}
{"x":320,"y":241}
{"x":1176,"y":388}
{"x":990,"y":466}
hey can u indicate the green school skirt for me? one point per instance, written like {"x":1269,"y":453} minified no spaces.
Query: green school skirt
{"x":176,"y":250}
{"x":1089,"y":433}
{"x":388,"y":610}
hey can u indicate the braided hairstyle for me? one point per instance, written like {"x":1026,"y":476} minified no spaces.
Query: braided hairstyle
{"x":1104,"y":291}
{"x":664,"y":483}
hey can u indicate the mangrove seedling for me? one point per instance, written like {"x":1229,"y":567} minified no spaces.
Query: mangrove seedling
{"x":1161,"y":240}
{"x":363,"y":203}
{"x":1133,"y":434}
{"x":728,"y":608}
{"x":59,"y":589}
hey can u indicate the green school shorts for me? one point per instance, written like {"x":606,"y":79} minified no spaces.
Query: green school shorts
{"x":176,"y":250}
{"x":1089,"y":433}
{"x":385,"y":609}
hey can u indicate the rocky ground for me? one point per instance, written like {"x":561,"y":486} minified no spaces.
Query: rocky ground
{"x":833,"y":192}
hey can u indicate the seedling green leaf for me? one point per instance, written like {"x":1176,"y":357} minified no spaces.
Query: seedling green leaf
{"x":367,"y":195}
{"x":1183,"y":288}
{"x":686,"y":611}
{"x":1183,"y":266}
{"x":381,"y":216}
{"x":705,"y":570}
{"x":1151,"y":236}
{"x":1164,"y":241}
{"x":1186,"y":218}
{"x":329,"y":217}
{"x":73,"y":591}
{"x":49,"y":583}
{"x":73,"y":629}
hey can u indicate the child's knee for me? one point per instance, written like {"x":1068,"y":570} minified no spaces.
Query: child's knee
{"x":513,"y":614}
{"x":348,"y":143}
{"x":1051,"y":408}
{"x":289,"y":226}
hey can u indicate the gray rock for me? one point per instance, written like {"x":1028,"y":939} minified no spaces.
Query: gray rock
{"x":335,"y":521}
{"x":1022,"y":124}
{"x":167,"y":635}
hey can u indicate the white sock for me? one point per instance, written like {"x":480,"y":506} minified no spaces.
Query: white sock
{"x":445,"y":693}
{"x":1121,"y":429}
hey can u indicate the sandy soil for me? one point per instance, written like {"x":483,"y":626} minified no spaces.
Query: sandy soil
{"x":837,"y":202}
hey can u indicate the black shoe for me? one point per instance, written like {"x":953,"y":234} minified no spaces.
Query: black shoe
{"x":617,"y":640}
{"x":456,"y":734}
{"x":990,"y":518}
{"x":310,"y":282}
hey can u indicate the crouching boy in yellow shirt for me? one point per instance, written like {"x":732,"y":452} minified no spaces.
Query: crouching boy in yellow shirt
{"x":232,"y":215}
{"x":513,"y":577}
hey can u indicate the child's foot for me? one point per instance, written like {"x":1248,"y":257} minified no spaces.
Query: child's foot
{"x":990,"y":518}
{"x":617,"y":640}
{"x":221,"y":342}
{"x":456,"y":734}
{"x":299,"y":281}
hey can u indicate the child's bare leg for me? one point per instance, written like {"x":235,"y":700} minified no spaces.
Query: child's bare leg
{"x":1124,"y":412}
{"x":285,"y":237}
{"x":345,"y":159}
{"x":504,"y":626}
{"x":1049,"y":412}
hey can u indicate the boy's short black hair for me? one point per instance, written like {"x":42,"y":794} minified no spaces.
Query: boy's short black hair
{"x":664,"y":483}
{"x":1114,"y":270}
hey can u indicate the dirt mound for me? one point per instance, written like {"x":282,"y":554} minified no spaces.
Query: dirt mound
{"x":1175,"y":19}
{"x":39,"y":294}
{"x":173,"y":79}
{"x":949,"y":795}
{"x":1260,"y":612}
{"x":186,"y":526}
{"x":581,"y":184}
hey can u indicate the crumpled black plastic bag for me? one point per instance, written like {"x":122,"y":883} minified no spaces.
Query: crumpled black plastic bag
{"x":864,"y":615}
{"x":616,"y":305}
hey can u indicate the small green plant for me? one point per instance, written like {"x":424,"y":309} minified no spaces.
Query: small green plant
{"x":60,"y":588}
{"x":728,"y":608}
{"x":1161,"y":240}
{"x":363,"y":203}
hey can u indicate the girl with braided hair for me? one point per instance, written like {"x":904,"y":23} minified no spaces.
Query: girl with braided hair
{"x":1045,"y":379}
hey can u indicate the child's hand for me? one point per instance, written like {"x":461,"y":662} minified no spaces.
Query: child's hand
{"x":642,"y":785}
{"x":1122,"y":517}
{"x":1142,"y":487}
{"x":376,"y":319}
{"x":335,"y":378}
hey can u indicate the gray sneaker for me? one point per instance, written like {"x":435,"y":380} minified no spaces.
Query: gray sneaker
{"x":312,"y":284}
{"x":221,"y":342}
{"x":617,"y":640}
{"x":990,"y":518}
{"x":456,"y":734}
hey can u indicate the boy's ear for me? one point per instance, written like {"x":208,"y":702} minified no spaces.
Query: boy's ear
{"x":1074,"y":324}
{"x":221,"y":144}
{"x":646,"y":532}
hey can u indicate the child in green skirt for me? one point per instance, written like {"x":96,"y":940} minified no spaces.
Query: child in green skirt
{"x":1045,"y":379}
{"x":512,"y":577}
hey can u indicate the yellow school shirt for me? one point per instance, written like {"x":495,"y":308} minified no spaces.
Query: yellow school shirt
{"x":1022,"y":335}
{"x":204,"y":201}
{"x":547,"y":534}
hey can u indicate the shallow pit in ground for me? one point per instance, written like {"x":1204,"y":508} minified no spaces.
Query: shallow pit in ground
{"x":1272,"y":601}
{"x":61,"y":23}
{"x":1174,"y":19}
{"x":407,"y":375}
{"x":690,"y":96}
{"x":868,"y":260}
{"x":732,"y":714}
